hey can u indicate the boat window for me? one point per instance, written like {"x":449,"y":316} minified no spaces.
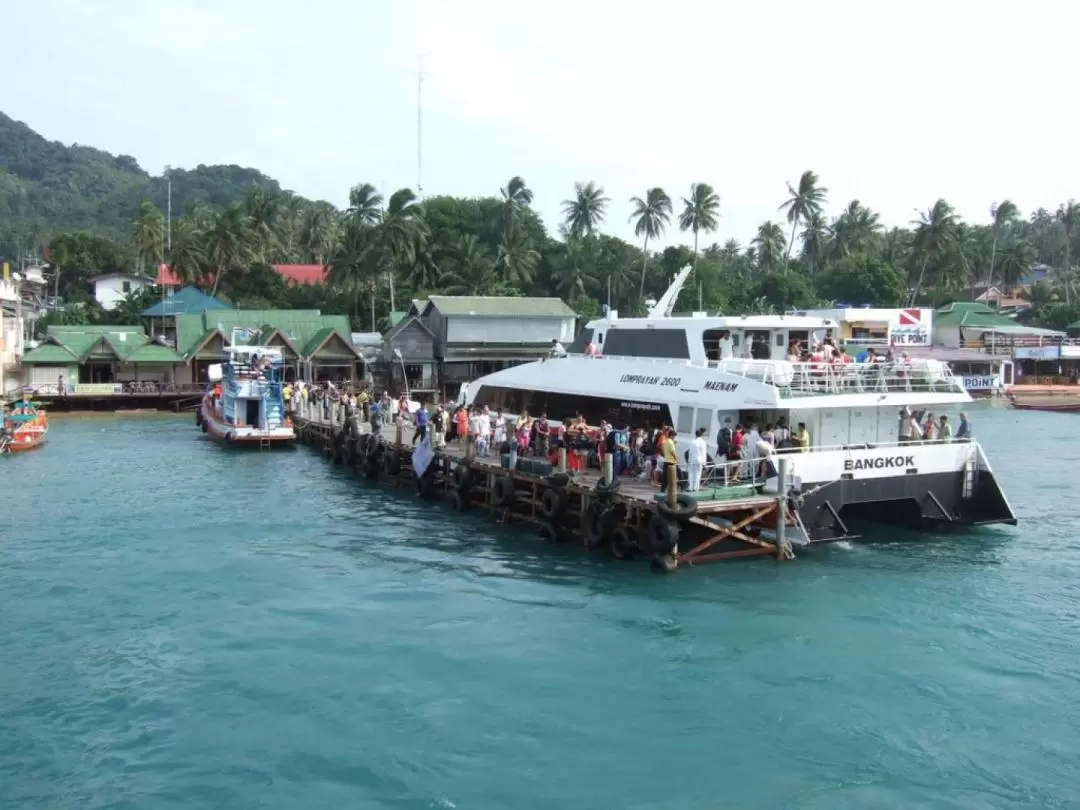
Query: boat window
{"x":686,"y":420}
{"x":559,"y":406}
{"x":703,"y":420}
{"x":669,"y":343}
{"x":780,"y":340}
{"x":583,"y":339}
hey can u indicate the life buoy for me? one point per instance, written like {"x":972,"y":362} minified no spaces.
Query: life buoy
{"x":552,"y":502}
{"x":502,"y":491}
{"x":663,"y":534}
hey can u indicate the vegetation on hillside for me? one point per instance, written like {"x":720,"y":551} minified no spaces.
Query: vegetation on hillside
{"x":383,"y":252}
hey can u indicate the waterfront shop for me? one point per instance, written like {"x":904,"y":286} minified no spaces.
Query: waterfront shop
{"x":98,"y":359}
{"x":314,"y":346}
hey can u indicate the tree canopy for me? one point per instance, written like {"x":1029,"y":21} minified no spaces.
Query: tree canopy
{"x":102,"y":213}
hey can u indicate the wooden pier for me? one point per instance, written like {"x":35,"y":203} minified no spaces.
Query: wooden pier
{"x":628,"y":518}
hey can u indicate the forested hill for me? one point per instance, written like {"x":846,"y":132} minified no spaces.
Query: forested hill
{"x":48,"y":188}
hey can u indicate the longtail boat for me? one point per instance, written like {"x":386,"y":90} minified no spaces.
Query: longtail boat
{"x":25,"y":428}
{"x":1062,"y":405}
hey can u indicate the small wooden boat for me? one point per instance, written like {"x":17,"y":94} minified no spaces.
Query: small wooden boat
{"x":24,"y":429}
{"x":1061,"y":405}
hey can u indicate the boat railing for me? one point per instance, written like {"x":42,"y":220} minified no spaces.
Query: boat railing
{"x":815,"y":379}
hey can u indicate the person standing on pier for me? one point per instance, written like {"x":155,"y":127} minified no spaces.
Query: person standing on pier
{"x":699,"y":452}
{"x":376,"y":417}
{"x":421,"y":424}
{"x":667,"y":450}
{"x":543,"y":436}
{"x":438,"y":427}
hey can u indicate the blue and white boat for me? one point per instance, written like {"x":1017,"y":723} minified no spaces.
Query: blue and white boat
{"x":243,"y":405}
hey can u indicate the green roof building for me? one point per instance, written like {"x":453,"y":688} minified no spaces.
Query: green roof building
{"x":969,"y":324}
{"x":315,"y":346}
{"x":98,"y":356}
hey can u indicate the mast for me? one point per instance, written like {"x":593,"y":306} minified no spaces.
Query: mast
{"x":663,"y":307}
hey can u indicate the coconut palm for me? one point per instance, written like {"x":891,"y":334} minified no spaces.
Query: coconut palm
{"x":1001,"y":214}
{"x":701,"y":212}
{"x":319,"y":232}
{"x":149,"y":235}
{"x":815,"y":242}
{"x":854,"y":231}
{"x":574,"y":274}
{"x":365,"y":204}
{"x":264,"y":210}
{"x":354,"y":265}
{"x":651,"y":217}
{"x":229,"y":244}
{"x":516,"y":196}
{"x":935,"y":237}
{"x":805,"y":202}
{"x":769,"y":242}
{"x":586,"y":211}
{"x":472,"y":270}
{"x":404,"y":233}
{"x":1068,"y":215}
{"x":1015,"y":260}
{"x":187,"y":259}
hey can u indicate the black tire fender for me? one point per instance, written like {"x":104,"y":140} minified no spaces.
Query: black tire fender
{"x":552,"y":502}
{"x":685,"y":508}
{"x":459,"y":501}
{"x":663,"y":534}
{"x":463,"y":476}
{"x":558,"y":480}
{"x":391,"y":462}
{"x":599,"y":521}
{"x":603,"y":486}
{"x":664,"y":564}
{"x":502,"y":491}
{"x":623,"y":544}
{"x":549,"y":531}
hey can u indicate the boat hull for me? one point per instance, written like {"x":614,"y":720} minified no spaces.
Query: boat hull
{"x":29,"y":435}
{"x":1065,"y":407}
{"x":918,"y":486}
{"x":234,"y":436}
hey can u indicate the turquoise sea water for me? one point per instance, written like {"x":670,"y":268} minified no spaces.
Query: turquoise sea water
{"x":186,"y":627}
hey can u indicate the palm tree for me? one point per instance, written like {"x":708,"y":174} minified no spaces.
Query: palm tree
{"x":701,"y":212}
{"x":318,"y":233}
{"x":365,"y":205}
{"x":473,"y":271}
{"x":935,"y":236}
{"x":354,"y":265}
{"x":586,"y":211}
{"x":516,"y":196}
{"x":805,"y":203}
{"x":404,"y":234}
{"x":1001,"y":214}
{"x":1069,"y":217}
{"x":149,"y":235}
{"x":651,"y":217}
{"x":264,"y":209}
{"x":770,"y":247}
{"x":854,"y":231}
{"x":229,"y":243}
{"x":815,"y":238}
{"x":1015,"y":261}
{"x":516,"y":257}
{"x":573,"y":275}
{"x":187,"y":259}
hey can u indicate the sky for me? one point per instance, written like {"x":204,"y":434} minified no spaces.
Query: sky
{"x":892,"y":103}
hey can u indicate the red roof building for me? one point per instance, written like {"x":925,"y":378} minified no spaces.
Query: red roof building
{"x":292,"y":273}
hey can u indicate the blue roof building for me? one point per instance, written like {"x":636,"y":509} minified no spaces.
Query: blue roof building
{"x":188,"y":301}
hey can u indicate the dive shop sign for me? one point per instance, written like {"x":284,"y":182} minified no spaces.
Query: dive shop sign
{"x":900,"y":463}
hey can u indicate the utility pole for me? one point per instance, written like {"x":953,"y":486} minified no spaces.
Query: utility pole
{"x":420,"y":128}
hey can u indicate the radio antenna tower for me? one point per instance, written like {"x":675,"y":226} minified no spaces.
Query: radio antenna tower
{"x":420,"y":128}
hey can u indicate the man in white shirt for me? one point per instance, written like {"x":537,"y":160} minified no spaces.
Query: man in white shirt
{"x":699,"y":454}
{"x":727,"y":346}
{"x":557,"y":349}
{"x":483,"y":433}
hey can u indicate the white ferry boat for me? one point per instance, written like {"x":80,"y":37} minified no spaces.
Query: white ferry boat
{"x":687,"y":372}
{"x":243,"y":405}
